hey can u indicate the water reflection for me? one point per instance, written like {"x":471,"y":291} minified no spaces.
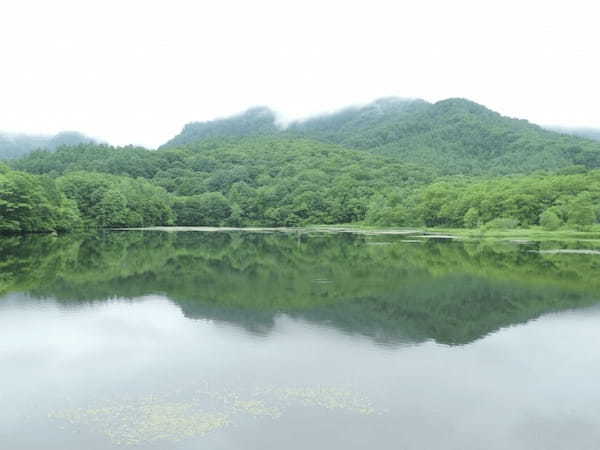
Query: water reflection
{"x":250,"y":341}
{"x":140,"y":374}
{"x":451,"y":292}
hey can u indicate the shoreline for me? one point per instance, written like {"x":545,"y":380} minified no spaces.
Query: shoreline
{"x":516,"y":235}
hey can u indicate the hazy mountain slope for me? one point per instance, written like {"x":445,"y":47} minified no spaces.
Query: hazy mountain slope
{"x":254,"y":122}
{"x":17,"y":145}
{"x":343,"y":127}
{"x":459,"y":136}
{"x":589,"y":133}
{"x":360,"y":127}
{"x":456,"y":136}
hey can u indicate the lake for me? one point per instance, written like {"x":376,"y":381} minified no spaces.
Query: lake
{"x":297,"y":340}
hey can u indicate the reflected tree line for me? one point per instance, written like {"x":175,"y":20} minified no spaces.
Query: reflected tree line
{"x":391,"y":289}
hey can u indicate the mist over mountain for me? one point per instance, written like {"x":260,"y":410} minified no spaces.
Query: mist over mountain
{"x":255,"y":121}
{"x":345,"y":126}
{"x":589,"y":133}
{"x":17,"y":145}
{"x":332,"y":127}
{"x":454,"y":135}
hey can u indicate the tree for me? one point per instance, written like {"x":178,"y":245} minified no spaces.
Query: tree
{"x":471,"y":219}
{"x":549,"y":220}
{"x":582,"y":213}
{"x":111,"y":210}
{"x":30,"y":203}
{"x":210,"y":209}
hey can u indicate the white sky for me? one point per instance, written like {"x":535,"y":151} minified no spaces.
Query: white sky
{"x":132,"y":71}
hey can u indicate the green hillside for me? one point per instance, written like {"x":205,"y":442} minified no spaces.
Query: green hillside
{"x":462,"y":137}
{"x":393,"y":162}
{"x":253,"y":181}
{"x":455,"y":136}
{"x":360,"y":127}
{"x":258,"y":121}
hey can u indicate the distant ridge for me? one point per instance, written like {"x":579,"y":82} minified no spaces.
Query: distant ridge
{"x":255,"y":121}
{"x":18,"y":145}
{"x":589,"y":133}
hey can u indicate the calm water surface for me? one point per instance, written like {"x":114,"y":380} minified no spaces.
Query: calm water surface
{"x":151,"y":340}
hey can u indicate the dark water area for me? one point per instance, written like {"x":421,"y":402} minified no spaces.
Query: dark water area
{"x":237,"y":340}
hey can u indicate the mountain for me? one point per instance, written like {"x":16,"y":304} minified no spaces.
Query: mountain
{"x":336,"y":127}
{"x":355,"y":126}
{"x":18,"y":145}
{"x":455,"y":136}
{"x":462,"y":137}
{"x":256,"y":121}
{"x":589,"y":133}
{"x":394,"y":162}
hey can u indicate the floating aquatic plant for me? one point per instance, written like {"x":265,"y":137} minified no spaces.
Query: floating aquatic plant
{"x":154,"y":418}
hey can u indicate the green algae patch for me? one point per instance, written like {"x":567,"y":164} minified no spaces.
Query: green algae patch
{"x":331,"y":398}
{"x":154,"y":419}
{"x":146,"y":423}
{"x":257,"y":408}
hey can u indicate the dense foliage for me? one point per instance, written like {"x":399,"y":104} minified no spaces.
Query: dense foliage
{"x":259,"y":121}
{"x":393,"y":162}
{"x":31,"y":203}
{"x":38,"y":203}
{"x":113,"y":201}
{"x":254,"y":181}
{"x":549,"y":200}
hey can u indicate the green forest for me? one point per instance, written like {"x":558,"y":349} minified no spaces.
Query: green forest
{"x":394,"y":162}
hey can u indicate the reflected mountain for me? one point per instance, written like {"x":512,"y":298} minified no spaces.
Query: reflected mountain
{"x":391,"y":289}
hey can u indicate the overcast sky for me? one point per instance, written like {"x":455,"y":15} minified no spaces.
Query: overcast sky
{"x":136,"y":71}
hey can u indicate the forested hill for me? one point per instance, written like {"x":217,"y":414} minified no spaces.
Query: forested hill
{"x":254,"y":122}
{"x":252,"y":181}
{"x":393,"y":162}
{"x":17,"y":145}
{"x":455,"y":136}
{"x":358,"y":127}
